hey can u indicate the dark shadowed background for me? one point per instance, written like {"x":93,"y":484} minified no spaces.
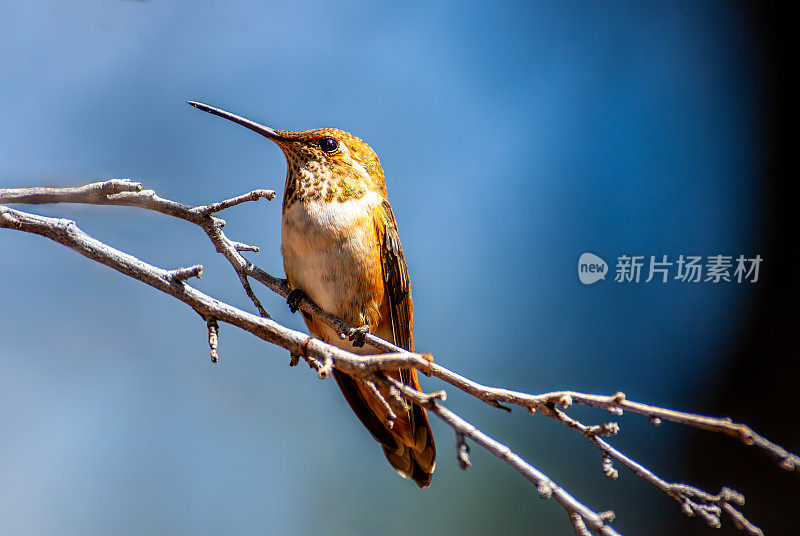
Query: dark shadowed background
{"x":514,"y":137}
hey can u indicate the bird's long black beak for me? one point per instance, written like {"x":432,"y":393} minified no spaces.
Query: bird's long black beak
{"x":252,"y":125}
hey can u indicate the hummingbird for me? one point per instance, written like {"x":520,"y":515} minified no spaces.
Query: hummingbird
{"x":341,"y":249}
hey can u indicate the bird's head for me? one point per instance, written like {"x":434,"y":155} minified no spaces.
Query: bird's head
{"x":322,"y":164}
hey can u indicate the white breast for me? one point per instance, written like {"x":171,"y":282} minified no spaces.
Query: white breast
{"x":329,"y":253}
{"x":314,"y":220}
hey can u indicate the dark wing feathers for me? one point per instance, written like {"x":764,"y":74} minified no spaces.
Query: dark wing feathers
{"x":397,"y":283}
{"x":408,"y":445}
{"x":398,"y":289}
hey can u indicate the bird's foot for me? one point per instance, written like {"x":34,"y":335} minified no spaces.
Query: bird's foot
{"x":294,"y":299}
{"x":357,"y":336}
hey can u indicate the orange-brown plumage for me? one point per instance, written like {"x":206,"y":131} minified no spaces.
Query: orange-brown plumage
{"x":341,"y":247}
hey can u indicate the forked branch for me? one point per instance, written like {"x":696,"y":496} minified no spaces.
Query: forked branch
{"x":324,"y":357}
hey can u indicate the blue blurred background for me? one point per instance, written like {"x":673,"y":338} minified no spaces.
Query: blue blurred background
{"x":514,"y":137}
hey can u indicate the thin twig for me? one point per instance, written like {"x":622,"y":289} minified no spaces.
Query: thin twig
{"x":390,"y":414}
{"x":213,"y":338}
{"x":228,"y":203}
{"x":182,"y":274}
{"x":740,"y":521}
{"x":252,"y":295}
{"x":240,"y":246}
{"x":462,"y":451}
{"x":326,"y":368}
{"x":579,"y":525}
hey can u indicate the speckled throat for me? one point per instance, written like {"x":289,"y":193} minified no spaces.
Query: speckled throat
{"x":313,"y":175}
{"x":311,"y":180}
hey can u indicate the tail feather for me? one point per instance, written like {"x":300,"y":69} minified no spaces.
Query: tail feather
{"x":408,"y":444}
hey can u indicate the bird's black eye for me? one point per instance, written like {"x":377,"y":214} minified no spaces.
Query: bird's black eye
{"x":328,"y":144}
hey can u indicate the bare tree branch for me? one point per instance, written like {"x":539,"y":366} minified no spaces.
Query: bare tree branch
{"x":317,"y":352}
{"x":547,"y":487}
{"x":95,"y":193}
{"x":323,"y":357}
{"x":693,"y":501}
